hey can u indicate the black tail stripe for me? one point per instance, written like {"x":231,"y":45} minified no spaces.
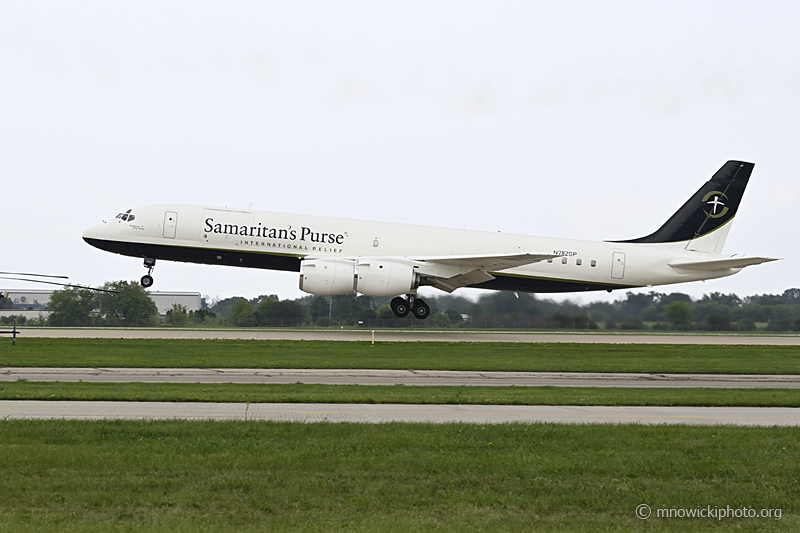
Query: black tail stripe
{"x":724,"y":193}
{"x":693,"y":220}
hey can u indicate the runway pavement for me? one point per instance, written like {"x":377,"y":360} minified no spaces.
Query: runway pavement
{"x":370,"y":413}
{"x":398,"y":377}
{"x":409,"y":336}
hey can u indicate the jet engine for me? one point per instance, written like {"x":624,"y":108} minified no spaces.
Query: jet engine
{"x":327,"y":277}
{"x":378,"y":277}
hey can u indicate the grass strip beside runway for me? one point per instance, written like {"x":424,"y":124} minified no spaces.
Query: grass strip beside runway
{"x":403,"y":394}
{"x":248,"y":476}
{"x":545,"y":357}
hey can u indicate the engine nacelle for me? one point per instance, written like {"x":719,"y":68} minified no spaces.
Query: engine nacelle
{"x":327,"y":277}
{"x":379,"y":277}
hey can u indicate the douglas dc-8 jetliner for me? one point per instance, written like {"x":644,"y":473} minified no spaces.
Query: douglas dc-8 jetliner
{"x":339,"y":256}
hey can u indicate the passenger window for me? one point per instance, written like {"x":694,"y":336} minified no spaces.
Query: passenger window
{"x":549,"y":260}
{"x":563,"y":260}
{"x":593,"y":263}
{"x":579,"y":262}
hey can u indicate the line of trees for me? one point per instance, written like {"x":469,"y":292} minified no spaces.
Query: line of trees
{"x":641,"y":311}
{"x":122,"y":304}
{"x":635,"y":311}
{"x":127,"y":304}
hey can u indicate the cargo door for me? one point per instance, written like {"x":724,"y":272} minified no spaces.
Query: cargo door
{"x":618,"y":265}
{"x":170,"y":224}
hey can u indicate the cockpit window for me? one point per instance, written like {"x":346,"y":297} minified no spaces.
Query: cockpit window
{"x":126,"y":215}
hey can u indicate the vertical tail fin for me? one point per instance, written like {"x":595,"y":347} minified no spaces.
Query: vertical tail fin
{"x":703,"y":222}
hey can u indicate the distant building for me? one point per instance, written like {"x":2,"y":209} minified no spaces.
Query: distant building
{"x":164,"y":300}
{"x":31,"y":302}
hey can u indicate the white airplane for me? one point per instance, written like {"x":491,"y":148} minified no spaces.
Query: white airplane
{"x":339,"y":256}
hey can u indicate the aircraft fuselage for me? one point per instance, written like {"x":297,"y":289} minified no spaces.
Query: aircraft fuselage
{"x":342,"y":256}
{"x":280,"y":241}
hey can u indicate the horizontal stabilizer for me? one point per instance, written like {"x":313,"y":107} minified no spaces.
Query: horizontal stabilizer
{"x":721,"y":264}
{"x":489,"y":262}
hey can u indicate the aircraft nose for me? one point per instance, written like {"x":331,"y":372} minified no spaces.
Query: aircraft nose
{"x":91,"y":233}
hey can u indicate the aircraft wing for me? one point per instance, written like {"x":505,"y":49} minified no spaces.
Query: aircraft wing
{"x":721,"y":264}
{"x":489,"y":262}
{"x":474,"y":268}
{"x":56,"y":283}
{"x":462,"y":280}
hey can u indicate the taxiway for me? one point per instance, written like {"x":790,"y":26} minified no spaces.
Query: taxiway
{"x":398,"y":377}
{"x":381,"y":413}
{"x":410,"y":336}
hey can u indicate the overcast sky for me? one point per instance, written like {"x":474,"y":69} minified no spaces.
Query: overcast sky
{"x":589,"y":120}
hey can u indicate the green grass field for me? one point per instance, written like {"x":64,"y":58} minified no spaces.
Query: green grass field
{"x":299,"y":393}
{"x":260,"y":476}
{"x":216,"y":476}
{"x":550,"y":357}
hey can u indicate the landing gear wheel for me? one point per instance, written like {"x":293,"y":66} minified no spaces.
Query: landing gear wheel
{"x":421,"y":309}
{"x":400,"y":307}
{"x":149,"y":264}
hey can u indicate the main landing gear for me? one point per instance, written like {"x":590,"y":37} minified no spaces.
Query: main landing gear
{"x":147,"y":279}
{"x":401,"y":307}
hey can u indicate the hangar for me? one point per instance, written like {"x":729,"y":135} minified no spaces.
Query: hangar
{"x":30,"y":303}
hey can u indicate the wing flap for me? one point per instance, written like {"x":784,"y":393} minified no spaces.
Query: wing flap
{"x":462,"y":280}
{"x":449,"y":272}
{"x":489,"y":262}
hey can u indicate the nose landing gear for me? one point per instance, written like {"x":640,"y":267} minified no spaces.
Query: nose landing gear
{"x":402,"y":306}
{"x":147,"y":279}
